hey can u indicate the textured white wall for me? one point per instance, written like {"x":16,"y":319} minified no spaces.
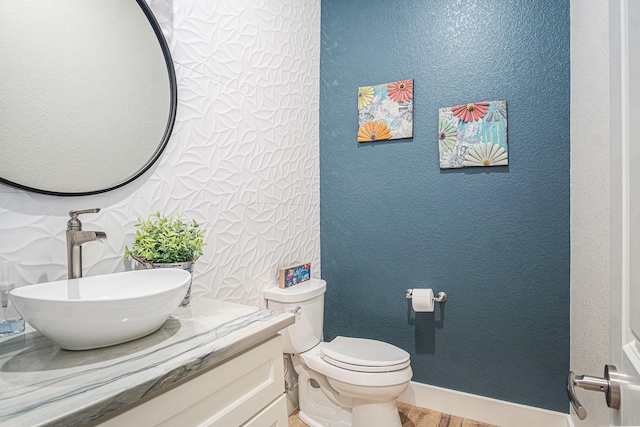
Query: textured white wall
{"x":590,"y":199}
{"x":243,"y":159}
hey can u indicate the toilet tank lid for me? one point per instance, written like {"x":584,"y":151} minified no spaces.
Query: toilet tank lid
{"x":296,"y":293}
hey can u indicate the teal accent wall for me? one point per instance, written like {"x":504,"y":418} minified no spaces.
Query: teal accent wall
{"x":495,"y":239}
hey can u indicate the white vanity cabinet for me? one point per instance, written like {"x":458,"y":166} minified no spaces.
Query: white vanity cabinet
{"x":246,"y":390}
{"x":213,"y":363}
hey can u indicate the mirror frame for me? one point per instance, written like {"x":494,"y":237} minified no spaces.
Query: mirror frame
{"x":173,"y":89}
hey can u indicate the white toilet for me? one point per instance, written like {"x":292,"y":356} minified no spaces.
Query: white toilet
{"x":345,"y":382}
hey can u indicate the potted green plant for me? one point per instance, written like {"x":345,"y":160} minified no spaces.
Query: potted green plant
{"x":167,"y":242}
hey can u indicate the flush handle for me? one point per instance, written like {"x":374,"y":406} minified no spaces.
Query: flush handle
{"x":609,"y":385}
{"x":296,"y":310}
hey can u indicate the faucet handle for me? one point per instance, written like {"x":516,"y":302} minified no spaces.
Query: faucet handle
{"x":74,"y":214}
{"x":74,"y":223}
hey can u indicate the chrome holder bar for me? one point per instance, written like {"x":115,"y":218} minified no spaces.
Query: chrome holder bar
{"x":442,"y":297}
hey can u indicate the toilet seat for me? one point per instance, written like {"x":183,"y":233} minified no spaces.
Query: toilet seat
{"x":314,"y":360}
{"x":364,"y":355}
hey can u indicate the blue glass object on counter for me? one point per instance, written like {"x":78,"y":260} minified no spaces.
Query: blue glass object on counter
{"x":11,"y":322}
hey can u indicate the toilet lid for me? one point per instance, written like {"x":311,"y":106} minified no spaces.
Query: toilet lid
{"x":363,"y":355}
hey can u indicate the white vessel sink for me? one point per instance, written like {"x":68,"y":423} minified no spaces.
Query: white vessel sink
{"x":98,"y":311}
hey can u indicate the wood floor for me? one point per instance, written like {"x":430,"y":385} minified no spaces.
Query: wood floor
{"x":412,"y":416}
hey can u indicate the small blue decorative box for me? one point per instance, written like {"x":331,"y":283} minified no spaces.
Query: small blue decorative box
{"x":294,"y":274}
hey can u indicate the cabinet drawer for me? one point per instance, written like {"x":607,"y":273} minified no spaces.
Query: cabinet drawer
{"x":227,"y":395}
{"x":274,"y":415}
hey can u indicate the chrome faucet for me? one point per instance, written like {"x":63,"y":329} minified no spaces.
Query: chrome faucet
{"x":76,"y":238}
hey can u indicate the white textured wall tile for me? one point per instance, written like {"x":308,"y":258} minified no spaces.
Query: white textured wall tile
{"x":243,"y":159}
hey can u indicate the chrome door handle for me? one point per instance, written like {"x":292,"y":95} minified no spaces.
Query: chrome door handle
{"x":609,"y":385}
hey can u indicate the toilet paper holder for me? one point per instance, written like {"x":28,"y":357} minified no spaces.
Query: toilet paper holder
{"x":442,"y":297}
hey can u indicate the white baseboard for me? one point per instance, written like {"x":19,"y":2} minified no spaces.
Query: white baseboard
{"x":483,"y":409}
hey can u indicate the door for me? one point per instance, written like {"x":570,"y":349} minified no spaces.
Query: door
{"x":624,"y":47}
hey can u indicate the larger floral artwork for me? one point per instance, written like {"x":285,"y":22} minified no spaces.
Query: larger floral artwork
{"x":473,"y":134}
{"x":385,"y":111}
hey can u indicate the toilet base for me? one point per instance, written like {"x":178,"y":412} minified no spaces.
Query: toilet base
{"x":376,"y":414}
{"x":365,"y":414}
{"x":372,"y":406}
{"x":311,"y":422}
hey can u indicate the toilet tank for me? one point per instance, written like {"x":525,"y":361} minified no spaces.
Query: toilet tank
{"x":306,"y":332}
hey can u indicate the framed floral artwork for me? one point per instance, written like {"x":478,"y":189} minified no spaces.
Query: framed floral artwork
{"x":473,"y":134}
{"x":385,"y":111}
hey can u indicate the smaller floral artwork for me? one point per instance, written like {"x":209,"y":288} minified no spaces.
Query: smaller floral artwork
{"x":385,"y":111}
{"x":473,"y":135}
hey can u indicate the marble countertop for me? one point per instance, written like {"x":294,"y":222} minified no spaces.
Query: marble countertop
{"x":43,"y":385}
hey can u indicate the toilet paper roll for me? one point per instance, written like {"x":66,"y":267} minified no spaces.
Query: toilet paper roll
{"x":422,"y":300}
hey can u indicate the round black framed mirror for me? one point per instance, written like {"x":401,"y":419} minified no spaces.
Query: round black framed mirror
{"x":88,"y":94}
